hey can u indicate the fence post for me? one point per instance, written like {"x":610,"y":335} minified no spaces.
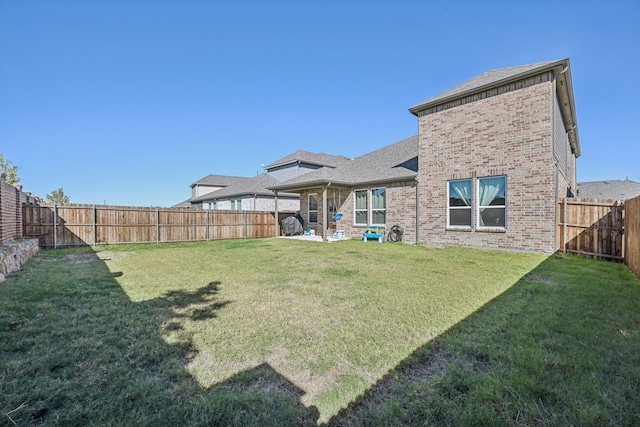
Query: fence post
{"x":245,"y":224}
{"x":55,"y":226}
{"x":207,"y":225}
{"x":564,"y":226}
{"x":157,"y":225}
{"x":95,"y":226}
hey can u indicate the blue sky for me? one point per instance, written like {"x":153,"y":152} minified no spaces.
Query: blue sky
{"x":129,"y":102}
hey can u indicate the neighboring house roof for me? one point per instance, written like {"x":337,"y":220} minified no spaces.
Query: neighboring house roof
{"x":317,"y":159}
{"x":500,"y":77}
{"x":257,"y":186}
{"x":219,"y":180}
{"x":612,"y":189}
{"x":184,"y":204}
{"x":395,"y":162}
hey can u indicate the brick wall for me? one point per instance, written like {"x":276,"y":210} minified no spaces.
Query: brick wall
{"x":400,"y":209}
{"x":10,"y":212}
{"x":508,"y":132}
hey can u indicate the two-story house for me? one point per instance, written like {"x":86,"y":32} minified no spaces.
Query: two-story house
{"x":490,"y":160}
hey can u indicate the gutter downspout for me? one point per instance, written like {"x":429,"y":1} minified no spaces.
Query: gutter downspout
{"x":417,"y":212}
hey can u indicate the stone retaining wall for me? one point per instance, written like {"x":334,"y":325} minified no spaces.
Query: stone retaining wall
{"x":14,"y":254}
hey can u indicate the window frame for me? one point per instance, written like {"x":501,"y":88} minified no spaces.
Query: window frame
{"x":383,"y":209}
{"x":478,"y":205}
{"x":357,"y":210}
{"x":468,"y":207}
{"x":309,"y":210}
{"x":369,"y":210}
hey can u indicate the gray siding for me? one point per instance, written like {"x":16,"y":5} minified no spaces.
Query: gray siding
{"x":200,"y":190}
{"x":561,"y":147}
{"x":287,"y":172}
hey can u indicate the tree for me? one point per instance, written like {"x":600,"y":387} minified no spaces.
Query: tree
{"x":58,"y":197}
{"x":10,"y":171}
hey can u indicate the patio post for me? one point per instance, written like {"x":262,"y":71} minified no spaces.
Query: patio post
{"x":277,"y":225}
{"x":324,"y":212}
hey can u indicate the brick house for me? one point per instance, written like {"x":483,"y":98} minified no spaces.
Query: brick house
{"x":490,"y":160}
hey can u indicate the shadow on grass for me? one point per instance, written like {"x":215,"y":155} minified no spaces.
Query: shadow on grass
{"x":560,"y":347}
{"x":551,"y":350}
{"x":77,"y":351}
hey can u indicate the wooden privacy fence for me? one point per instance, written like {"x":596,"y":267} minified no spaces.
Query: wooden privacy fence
{"x":632,"y":235}
{"x":592,"y":227}
{"x":79,"y":225}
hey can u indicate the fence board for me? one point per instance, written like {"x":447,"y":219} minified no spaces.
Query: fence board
{"x":593,"y":227}
{"x":632,"y":235}
{"x":77,"y":225}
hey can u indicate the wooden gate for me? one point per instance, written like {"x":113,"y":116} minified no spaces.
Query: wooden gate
{"x":592,"y":227}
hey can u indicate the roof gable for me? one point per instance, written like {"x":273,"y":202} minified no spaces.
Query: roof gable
{"x":503,"y":76}
{"x":317,"y":159}
{"x":489,"y":80}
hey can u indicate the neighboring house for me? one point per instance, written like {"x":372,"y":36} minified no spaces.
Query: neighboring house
{"x":222,"y":192}
{"x":248,"y":194}
{"x":212,"y":183}
{"x":612,"y":189}
{"x":301,"y":162}
{"x":491,"y":159}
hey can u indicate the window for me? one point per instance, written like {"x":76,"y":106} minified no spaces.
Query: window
{"x":213,"y":205}
{"x":361,"y":206}
{"x":378,"y":205}
{"x":489,"y":203}
{"x":376,"y":214}
{"x":236,"y":205}
{"x":492,"y":202}
{"x":459,"y":209}
{"x":313,"y":208}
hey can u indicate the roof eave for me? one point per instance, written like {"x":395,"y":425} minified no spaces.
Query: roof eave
{"x":567,"y":106}
{"x":404,"y":178}
{"x":308,"y":185}
{"x":557,"y":66}
{"x":319,"y":183}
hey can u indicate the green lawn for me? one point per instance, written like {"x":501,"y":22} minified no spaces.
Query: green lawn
{"x":285,"y":332}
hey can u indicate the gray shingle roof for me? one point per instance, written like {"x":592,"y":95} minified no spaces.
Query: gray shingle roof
{"x":220,"y":180}
{"x":395,"y":162}
{"x":318,"y":159}
{"x":183,"y":204}
{"x":612,"y":189}
{"x":487,"y":80}
{"x":257,"y":185}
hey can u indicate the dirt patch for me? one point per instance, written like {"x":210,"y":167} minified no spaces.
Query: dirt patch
{"x":536,"y":278}
{"x":432,"y":367}
{"x":81,"y":258}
